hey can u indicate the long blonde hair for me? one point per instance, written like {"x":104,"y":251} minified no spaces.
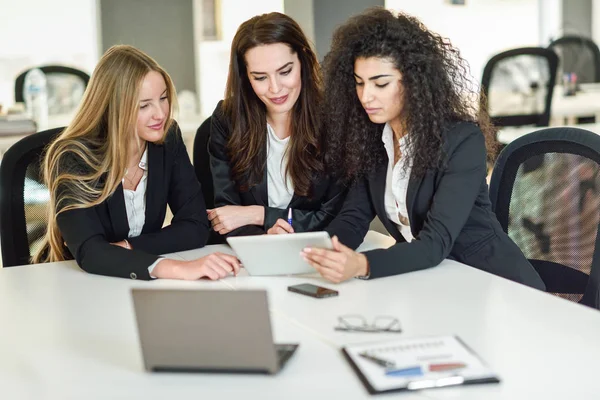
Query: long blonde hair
{"x":86,"y":163}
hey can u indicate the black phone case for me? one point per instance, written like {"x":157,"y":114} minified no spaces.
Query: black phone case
{"x":313,"y":295}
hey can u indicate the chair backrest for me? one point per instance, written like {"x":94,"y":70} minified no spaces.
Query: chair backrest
{"x":202,"y":163}
{"x":577,"y":54}
{"x":65,"y":87}
{"x":518,"y":85}
{"x":545,"y":191}
{"x":202,"y":167}
{"x":23,"y":198}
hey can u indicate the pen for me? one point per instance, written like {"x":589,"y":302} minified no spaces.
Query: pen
{"x":379,"y":361}
{"x":290,"y":216}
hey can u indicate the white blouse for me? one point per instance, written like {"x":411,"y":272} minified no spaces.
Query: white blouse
{"x":135,"y":205}
{"x":280,"y":190}
{"x":396,"y":183}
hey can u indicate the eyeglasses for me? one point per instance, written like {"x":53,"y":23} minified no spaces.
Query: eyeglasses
{"x":358,"y":323}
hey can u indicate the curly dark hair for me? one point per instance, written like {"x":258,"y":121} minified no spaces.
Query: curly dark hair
{"x":436,"y":89}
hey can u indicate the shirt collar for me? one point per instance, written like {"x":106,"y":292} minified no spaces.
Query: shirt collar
{"x":144,"y":160}
{"x":387,"y":137}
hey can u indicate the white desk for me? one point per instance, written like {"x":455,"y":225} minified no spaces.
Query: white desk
{"x":508,"y":134}
{"x":67,"y":334}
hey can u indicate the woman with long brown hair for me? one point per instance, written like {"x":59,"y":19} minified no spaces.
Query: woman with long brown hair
{"x":266,"y":137}
{"x":112,"y":172}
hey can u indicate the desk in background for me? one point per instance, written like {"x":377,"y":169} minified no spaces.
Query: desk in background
{"x":564,"y":109}
{"x":508,"y":134}
{"x":188,"y":126}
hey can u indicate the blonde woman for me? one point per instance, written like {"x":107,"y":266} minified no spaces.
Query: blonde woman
{"x":112,"y":172}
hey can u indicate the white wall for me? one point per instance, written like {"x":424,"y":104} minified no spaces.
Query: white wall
{"x":550,"y":20}
{"x":302,"y":11}
{"x":214,"y":55}
{"x":596,"y":21}
{"x":479,"y":29}
{"x":35,"y":32}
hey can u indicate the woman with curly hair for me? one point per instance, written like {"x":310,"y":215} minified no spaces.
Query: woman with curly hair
{"x":400,"y":126}
{"x":265,"y":141}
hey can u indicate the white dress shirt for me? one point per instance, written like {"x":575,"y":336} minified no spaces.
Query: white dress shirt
{"x":135,"y":205}
{"x":396,"y":183}
{"x":280,"y":190}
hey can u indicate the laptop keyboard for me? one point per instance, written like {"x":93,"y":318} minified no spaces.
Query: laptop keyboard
{"x":284,"y":352}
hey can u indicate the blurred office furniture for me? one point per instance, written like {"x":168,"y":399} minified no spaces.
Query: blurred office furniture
{"x":577,"y":54}
{"x":202,"y":163}
{"x":65,"y":87}
{"x":552,"y":212}
{"x":518,"y":85}
{"x":202,"y":167}
{"x":23,"y":198}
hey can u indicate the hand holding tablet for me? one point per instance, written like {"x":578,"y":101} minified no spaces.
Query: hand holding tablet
{"x":277,"y":254}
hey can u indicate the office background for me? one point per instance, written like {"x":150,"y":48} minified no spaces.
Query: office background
{"x":191,"y":38}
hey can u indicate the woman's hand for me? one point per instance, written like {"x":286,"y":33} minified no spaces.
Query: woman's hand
{"x":281,"y":226}
{"x":213,"y":266}
{"x":337,"y":265}
{"x":227,"y":218}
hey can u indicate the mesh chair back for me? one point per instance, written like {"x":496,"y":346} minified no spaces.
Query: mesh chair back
{"x":202,"y":163}
{"x":545,"y":191}
{"x":65,"y":87}
{"x":203,"y":173}
{"x":518,"y":85}
{"x":24,"y":198}
{"x":577,"y":54}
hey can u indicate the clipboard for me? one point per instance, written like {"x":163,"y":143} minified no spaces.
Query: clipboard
{"x":417,"y":363}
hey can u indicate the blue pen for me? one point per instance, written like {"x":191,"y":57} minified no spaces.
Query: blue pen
{"x":290,"y":216}
{"x":407,"y":371}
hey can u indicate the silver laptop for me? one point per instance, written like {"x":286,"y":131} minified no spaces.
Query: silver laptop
{"x":207,"y":330}
{"x":277,"y":254}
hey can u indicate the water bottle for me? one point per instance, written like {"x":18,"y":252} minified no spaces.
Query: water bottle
{"x":187,"y":105}
{"x":36,"y":97}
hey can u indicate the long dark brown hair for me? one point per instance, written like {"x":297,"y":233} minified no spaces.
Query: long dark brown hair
{"x":248,"y":115}
{"x":436,"y":83}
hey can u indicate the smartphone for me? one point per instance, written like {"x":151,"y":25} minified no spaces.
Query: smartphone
{"x":313,"y":290}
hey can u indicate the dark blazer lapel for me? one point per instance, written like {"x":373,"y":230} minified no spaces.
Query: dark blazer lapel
{"x":377,"y":189}
{"x":260,"y":191}
{"x":296,"y":200}
{"x":154,"y":182}
{"x":411,"y":195}
{"x":118,"y":213}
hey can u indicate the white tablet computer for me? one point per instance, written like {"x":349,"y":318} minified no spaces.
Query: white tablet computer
{"x":277,"y":254}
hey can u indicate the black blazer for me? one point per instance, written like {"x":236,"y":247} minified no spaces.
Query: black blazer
{"x":171,"y":180}
{"x":309,"y":214}
{"x":450,"y":216}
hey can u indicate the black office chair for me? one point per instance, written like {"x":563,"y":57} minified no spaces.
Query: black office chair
{"x":23,"y":198}
{"x":553,"y":212}
{"x":517,"y":86}
{"x":577,"y":54}
{"x":202,"y":163}
{"x":65,"y":87}
{"x":202,"y":167}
